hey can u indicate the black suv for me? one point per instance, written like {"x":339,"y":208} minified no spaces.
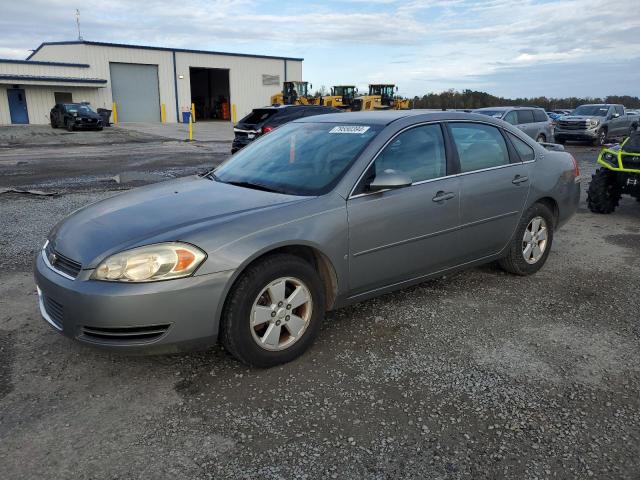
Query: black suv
{"x":75,"y":116}
{"x":263,"y":120}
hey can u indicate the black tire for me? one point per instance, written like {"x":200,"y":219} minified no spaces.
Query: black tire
{"x":602,"y":137}
{"x":70,"y":125}
{"x":53,"y":123}
{"x":514,"y":261}
{"x":99,"y":129}
{"x":604,"y":192}
{"x":541,"y":138}
{"x":560,"y":140}
{"x":235,"y":332}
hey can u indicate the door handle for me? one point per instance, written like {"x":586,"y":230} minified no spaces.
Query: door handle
{"x":518,"y":179}
{"x":442,"y":196}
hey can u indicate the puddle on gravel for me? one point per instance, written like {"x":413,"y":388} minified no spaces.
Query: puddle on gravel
{"x":626,"y":240}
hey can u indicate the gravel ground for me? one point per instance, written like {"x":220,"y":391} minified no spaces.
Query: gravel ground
{"x":477,"y":375}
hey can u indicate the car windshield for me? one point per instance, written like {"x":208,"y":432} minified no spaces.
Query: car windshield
{"x":73,"y":108}
{"x":595,"y":110}
{"x":491,"y":113}
{"x":297,"y":158}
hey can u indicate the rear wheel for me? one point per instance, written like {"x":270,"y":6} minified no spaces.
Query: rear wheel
{"x":531,"y":243}
{"x":273,"y":312}
{"x":604,"y":192}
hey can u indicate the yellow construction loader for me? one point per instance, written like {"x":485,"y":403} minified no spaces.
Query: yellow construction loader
{"x":341,"y":97}
{"x":381,"y":97}
{"x":295,"y":93}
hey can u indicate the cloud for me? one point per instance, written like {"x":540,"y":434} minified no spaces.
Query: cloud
{"x":416,"y":43}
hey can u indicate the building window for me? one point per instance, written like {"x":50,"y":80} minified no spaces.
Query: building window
{"x":63,"y":97}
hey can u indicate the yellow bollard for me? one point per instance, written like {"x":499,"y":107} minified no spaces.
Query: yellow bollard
{"x":233,"y":113}
{"x":115,"y":113}
{"x":190,"y":129}
{"x":193,"y":112}
{"x":163,"y":113}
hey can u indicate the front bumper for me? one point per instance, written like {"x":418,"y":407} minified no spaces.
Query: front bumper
{"x":156,"y":317}
{"x":590,"y":134}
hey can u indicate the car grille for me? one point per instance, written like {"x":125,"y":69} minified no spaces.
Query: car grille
{"x":54,"y":309}
{"x":61,"y":263}
{"x":577,"y":125}
{"x":123,"y":335}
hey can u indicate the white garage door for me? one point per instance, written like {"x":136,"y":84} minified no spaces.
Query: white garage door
{"x":135,"y":91}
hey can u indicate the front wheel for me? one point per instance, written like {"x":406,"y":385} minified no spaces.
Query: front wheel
{"x":601,"y":139}
{"x":541,"y":138}
{"x":531,"y":243}
{"x":273,"y":311}
{"x":70,"y":126}
{"x":604,"y":192}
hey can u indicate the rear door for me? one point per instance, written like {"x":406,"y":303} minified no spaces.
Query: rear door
{"x":494,"y":186}
{"x":404,"y":233}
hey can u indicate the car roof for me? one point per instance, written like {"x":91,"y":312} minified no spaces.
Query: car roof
{"x":279,"y":106}
{"x":385,"y":117}
{"x":504,"y":109}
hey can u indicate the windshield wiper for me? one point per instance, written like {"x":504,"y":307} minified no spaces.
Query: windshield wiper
{"x":255,"y":186}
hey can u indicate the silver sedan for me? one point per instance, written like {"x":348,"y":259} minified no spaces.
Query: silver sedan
{"x":318,"y":214}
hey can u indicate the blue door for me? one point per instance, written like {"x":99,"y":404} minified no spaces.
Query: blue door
{"x":18,"y":105}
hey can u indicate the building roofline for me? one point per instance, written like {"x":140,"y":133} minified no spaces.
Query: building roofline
{"x":163,"y":49}
{"x":37,"y":62}
{"x":44,"y":78}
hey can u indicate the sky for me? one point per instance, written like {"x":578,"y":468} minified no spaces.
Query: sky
{"x":522,"y":48}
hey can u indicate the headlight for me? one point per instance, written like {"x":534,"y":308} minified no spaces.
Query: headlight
{"x":151,"y":263}
{"x":594,"y":123}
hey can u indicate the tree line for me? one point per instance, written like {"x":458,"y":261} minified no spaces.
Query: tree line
{"x":452,"y":99}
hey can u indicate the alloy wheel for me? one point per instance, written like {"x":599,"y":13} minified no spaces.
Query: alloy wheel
{"x":281,"y":313}
{"x":534,"y":241}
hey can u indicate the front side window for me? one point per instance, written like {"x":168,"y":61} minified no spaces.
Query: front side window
{"x":524,"y":116}
{"x":525,"y":152}
{"x":479,"y":146}
{"x":297,"y":158}
{"x":418,"y":153}
{"x":540,"y":116}
{"x":511,"y":118}
{"x":619,"y":110}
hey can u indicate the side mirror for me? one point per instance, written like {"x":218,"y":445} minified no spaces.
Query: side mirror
{"x":396,"y":88}
{"x":615,"y":115}
{"x":389,"y":179}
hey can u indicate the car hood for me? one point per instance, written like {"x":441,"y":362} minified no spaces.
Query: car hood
{"x":164,"y":211}
{"x":92,"y":115}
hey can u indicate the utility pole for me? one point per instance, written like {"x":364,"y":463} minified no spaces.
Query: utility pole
{"x":78,"y":24}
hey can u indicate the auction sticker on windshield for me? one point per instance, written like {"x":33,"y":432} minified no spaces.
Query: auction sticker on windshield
{"x":359,"y":129}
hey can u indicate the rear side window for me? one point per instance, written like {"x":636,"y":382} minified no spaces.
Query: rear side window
{"x":619,"y":110}
{"x":525,"y":152}
{"x":479,"y":146}
{"x":524,"y":116}
{"x":258,"y":115}
{"x":540,"y":116}
{"x":418,"y":153}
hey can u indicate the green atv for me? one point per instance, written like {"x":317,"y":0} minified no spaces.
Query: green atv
{"x":619,"y":174}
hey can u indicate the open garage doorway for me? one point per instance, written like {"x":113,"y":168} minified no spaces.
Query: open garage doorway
{"x":210,"y":93}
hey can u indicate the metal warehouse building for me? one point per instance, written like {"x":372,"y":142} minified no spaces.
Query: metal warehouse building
{"x":146,"y":84}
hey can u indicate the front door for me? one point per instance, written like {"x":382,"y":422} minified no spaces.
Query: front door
{"x":494,"y":187}
{"x":18,"y":106}
{"x":404,"y":233}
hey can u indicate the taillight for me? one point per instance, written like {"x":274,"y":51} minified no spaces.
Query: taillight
{"x":266,"y":129}
{"x":576,"y":168}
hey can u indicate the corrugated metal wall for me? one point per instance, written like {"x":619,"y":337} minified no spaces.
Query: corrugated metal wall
{"x":245,"y":76}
